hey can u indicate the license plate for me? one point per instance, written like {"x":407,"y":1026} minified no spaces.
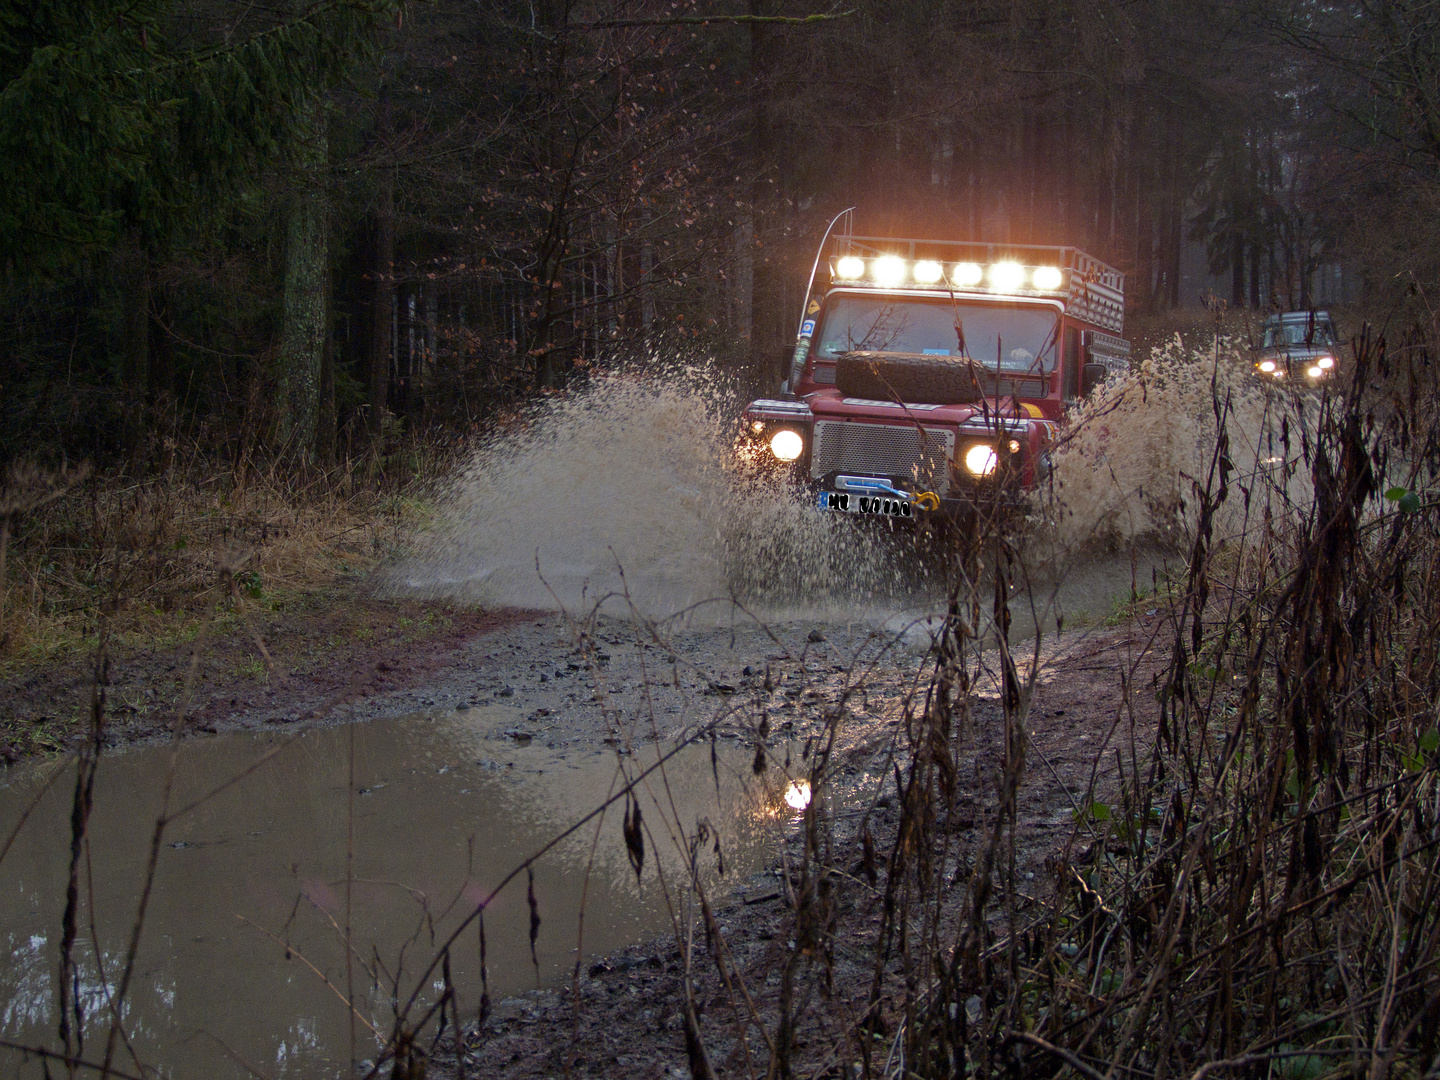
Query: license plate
{"x":850,"y":502}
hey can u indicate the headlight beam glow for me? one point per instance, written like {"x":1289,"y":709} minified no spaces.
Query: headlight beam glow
{"x":980,"y":459}
{"x":1047,"y":277}
{"x":1007,"y":275}
{"x":888,"y":270}
{"x":787,"y":445}
{"x":966,"y":273}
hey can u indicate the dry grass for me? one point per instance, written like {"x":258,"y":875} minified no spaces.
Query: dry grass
{"x":152,"y":558}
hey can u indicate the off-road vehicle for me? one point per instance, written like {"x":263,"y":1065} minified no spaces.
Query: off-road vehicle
{"x":928,"y":376}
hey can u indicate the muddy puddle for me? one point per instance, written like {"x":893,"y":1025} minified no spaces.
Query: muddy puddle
{"x":445,"y":806}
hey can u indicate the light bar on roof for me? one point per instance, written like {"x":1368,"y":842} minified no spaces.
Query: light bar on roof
{"x":891,"y":271}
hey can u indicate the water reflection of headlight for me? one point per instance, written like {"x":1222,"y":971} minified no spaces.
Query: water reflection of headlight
{"x":797,"y":795}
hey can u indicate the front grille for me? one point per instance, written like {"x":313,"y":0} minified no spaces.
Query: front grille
{"x":884,"y":450}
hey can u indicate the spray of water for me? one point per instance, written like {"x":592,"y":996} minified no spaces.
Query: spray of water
{"x":1130,"y":457}
{"x":626,"y":491}
{"x":625,"y":494}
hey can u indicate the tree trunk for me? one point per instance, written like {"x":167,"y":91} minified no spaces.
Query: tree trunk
{"x":1255,"y":276}
{"x":305,"y":303}
{"x":382,"y":285}
{"x":1237,"y":270}
{"x":325,"y":436}
{"x":135,"y":373}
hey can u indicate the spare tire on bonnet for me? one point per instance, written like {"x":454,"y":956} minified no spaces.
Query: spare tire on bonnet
{"x":907,"y":377}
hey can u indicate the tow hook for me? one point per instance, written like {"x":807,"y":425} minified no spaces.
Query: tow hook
{"x":927,"y":500}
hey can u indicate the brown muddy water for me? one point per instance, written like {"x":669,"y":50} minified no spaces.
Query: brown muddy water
{"x":445,"y":805}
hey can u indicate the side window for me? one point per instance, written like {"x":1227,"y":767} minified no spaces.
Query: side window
{"x":1070,"y":373}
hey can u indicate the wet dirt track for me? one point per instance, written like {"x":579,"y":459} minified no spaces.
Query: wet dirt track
{"x":539,"y":706}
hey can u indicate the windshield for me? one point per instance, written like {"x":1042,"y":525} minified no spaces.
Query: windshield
{"x":1019,"y":339}
{"x":1296,"y":333}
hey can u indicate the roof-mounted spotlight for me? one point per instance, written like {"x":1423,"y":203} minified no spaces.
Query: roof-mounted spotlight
{"x":927,"y":272}
{"x":966,"y":273}
{"x":1007,"y":275}
{"x":1046,"y":277}
{"x":888,"y":270}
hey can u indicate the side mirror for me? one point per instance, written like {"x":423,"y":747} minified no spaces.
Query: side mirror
{"x":1091,"y":376}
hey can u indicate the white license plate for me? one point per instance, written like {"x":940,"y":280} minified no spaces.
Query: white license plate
{"x":851,"y":502}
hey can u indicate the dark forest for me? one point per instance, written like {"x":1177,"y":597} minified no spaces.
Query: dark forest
{"x":292,"y":231}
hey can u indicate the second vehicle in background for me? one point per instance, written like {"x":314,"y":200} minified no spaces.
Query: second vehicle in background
{"x":1298,"y":346}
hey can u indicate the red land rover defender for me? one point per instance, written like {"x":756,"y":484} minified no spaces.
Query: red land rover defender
{"x":928,"y":376}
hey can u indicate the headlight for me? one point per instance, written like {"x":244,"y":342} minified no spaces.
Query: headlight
{"x":980,"y":459}
{"x":787,"y":445}
{"x":1326,"y":362}
{"x":1315,"y":372}
{"x":1046,"y":277}
{"x":850,"y":267}
{"x":1267,"y":366}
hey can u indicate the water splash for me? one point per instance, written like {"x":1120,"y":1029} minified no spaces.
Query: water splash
{"x":607,"y":491}
{"x":624,"y":495}
{"x":1129,"y":460}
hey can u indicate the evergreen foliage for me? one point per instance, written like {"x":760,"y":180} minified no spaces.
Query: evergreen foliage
{"x":111,"y":121}
{"x":513,"y":193}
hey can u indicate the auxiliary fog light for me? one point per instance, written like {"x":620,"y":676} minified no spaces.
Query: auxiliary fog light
{"x":1046,"y":277}
{"x":927,"y":272}
{"x":1326,"y":362}
{"x":980,"y":459}
{"x":966,"y":274}
{"x":889,"y":270}
{"x":849,"y":267}
{"x":1267,"y":366}
{"x":1315,"y":372}
{"x":797,"y":795}
{"x":786,"y":445}
{"x":1007,"y":275}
